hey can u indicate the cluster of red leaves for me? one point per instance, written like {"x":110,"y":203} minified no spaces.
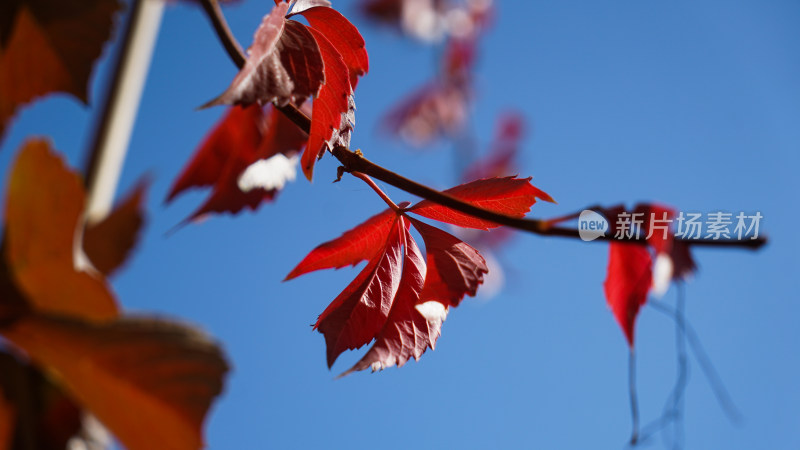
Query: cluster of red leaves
{"x":49,"y":46}
{"x":400,"y":299}
{"x":632,"y":270}
{"x":290,"y":62}
{"x":440,"y":107}
{"x":150,"y":381}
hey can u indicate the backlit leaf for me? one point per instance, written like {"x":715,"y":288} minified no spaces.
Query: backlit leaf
{"x":42,"y":248}
{"x":150,"y":381}
{"x":510,"y":196}
{"x":627,"y":283}
{"x":49,"y":46}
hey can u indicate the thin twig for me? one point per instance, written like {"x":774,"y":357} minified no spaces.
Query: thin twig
{"x":214,"y":13}
{"x":377,"y":189}
{"x":714,"y":380}
{"x":633,"y":397}
{"x":673,"y":410}
{"x":353,"y":162}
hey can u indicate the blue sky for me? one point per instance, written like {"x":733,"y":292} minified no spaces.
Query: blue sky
{"x":692,"y":104}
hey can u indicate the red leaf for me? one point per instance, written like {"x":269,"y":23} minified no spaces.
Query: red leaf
{"x":454,"y":267}
{"x":407,"y":332}
{"x":628,"y":281}
{"x":284,"y":65}
{"x":328,"y":116}
{"x":660,"y":232}
{"x":242,"y":138}
{"x":356,"y":245}
{"x":683,"y":264}
{"x":281,"y":135}
{"x":237,"y":133}
{"x":510,"y":196}
{"x":357,"y":315}
{"x":344,"y":37}
{"x":395,"y":299}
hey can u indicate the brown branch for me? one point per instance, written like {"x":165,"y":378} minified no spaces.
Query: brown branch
{"x":353,"y":162}
{"x":214,"y":13}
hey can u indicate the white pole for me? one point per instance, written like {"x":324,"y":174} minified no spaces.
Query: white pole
{"x":122,"y":103}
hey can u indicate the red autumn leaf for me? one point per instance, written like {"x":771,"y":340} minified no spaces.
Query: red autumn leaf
{"x":358,"y":314}
{"x":290,"y":62}
{"x":407,"y":332}
{"x":455,"y":268}
{"x":657,"y":225}
{"x":344,"y":37}
{"x":510,"y":196}
{"x":329,"y":114}
{"x":108,"y":243}
{"x":398,"y":299}
{"x":244,"y":137}
{"x":344,"y":57}
{"x":356,"y":245}
{"x":627,"y":283}
{"x":284,"y":65}
{"x":49,"y":46}
{"x":237,"y":132}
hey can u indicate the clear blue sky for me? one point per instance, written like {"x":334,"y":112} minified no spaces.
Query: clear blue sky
{"x":691,"y":103}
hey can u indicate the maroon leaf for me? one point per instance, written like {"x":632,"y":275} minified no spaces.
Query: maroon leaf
{"x":238,"y":132}
{"x":344,"y":37}
{"x":683,"y":264}
{"x":510,"y":196}
{"x":454,"y":267}
{"x":407,"y":332}
{"x":284,"y":65}
{"x":242,"y":140}
{"x":358,"y":314}
{"x":628,"y":281}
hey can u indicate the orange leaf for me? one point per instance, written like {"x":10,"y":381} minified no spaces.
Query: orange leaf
{"x":49,"y":46}
{"x":108,"y":243}
{"x":151,"y":382}
{"x":43,"y":216}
